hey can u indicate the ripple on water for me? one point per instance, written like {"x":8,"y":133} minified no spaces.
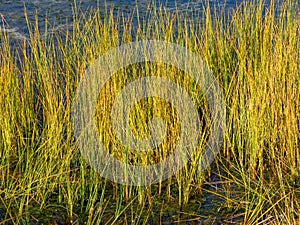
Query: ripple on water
{"x":57,"y":11}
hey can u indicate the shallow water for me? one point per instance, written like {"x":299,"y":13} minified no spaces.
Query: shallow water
{"x":58,"y":12}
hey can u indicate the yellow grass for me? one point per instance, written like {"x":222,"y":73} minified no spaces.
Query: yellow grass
{"x":255,"y":56}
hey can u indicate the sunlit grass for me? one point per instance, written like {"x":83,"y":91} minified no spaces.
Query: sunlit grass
{"x":255,"y":56}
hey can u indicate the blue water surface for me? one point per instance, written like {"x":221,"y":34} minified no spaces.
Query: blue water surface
{"x":60,"y":12}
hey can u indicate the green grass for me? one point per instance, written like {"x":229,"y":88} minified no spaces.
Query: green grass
{"x":255,"y":56}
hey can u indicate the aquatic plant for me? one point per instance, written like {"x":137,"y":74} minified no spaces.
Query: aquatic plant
{"x":255,"y":56}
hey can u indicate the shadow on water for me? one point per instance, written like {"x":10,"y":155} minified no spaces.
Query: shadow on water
{"x":208,"y":208}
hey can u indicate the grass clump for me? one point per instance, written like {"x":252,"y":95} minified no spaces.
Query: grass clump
{"x":254,"y":55}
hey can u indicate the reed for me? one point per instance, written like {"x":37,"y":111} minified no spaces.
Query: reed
{"x":254,"y":55}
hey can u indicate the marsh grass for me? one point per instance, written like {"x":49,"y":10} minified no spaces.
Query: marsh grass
{"x":255,"y":56}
